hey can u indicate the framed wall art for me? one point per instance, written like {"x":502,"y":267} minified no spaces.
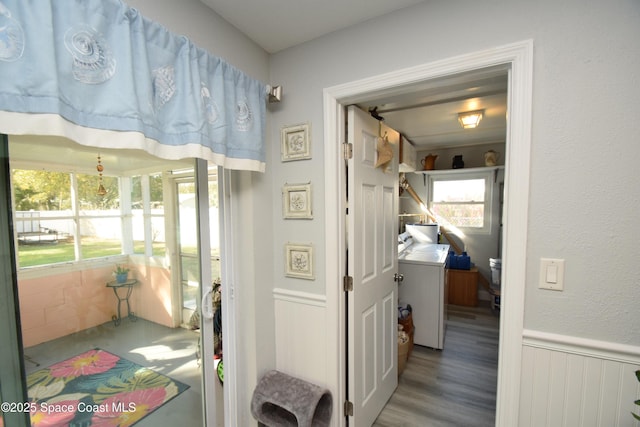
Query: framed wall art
{"x":296,"y":144}
{"x":296,"y":201}
{"x":299,"y":261}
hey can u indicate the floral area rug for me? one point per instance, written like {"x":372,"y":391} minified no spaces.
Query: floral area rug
{"x":97,"y":388}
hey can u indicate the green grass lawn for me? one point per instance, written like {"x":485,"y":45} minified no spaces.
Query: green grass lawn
{"x":50,"y":253}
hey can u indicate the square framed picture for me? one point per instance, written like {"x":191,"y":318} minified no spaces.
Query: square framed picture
{"x":296,"y":201}
{"x":296,"y":144}
{"x":299,"y":261}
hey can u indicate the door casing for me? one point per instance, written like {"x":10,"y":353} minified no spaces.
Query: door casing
{"x":517,"y":58}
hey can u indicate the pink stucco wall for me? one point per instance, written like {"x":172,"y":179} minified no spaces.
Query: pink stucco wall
{"x":61,"y":304}
{"x":152,"y":297}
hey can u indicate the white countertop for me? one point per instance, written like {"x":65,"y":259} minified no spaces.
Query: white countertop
{"x":424,"y":253}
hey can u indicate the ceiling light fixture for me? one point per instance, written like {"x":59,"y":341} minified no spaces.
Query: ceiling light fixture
{"x":470,"y":119}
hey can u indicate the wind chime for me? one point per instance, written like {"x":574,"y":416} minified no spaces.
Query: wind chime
{"x":101,"y":190}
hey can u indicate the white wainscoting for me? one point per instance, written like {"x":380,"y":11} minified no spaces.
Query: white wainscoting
{"x":569,"y":381}
{"x":301,"y":335}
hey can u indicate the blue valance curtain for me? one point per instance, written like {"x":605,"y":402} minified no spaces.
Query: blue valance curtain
{"x":98,"y":72}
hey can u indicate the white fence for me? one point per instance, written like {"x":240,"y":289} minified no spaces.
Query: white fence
{"x":109,"y":227}
{"x":101,"y":227}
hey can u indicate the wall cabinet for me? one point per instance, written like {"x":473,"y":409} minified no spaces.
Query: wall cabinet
{"x":407,"y":155}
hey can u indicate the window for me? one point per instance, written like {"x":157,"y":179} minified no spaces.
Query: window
{"x":463,"y":200}
{"x":59,"y":217}
{"x":147,"y":211}
{"x":42,"y":216}
{"x":99,"y":217}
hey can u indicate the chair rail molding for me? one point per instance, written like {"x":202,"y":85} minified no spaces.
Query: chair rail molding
{"x":605,"y":350}
{"x":299,"y":297}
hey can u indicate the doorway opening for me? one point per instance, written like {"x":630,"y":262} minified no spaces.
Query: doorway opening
{"x":517,"y":60}
{"x":73,"y":308}
{"x":186,"y":269}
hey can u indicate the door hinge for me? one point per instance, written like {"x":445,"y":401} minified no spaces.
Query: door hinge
{"x":347,"y":152}
{"x":347,"y":284}
{"x":348,"y":408}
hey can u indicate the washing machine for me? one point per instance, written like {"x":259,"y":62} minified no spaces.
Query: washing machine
{"x":423,"y":286}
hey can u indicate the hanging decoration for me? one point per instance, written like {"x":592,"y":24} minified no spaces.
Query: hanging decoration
{"x":384,"y":148}
{"x":101,"y":190}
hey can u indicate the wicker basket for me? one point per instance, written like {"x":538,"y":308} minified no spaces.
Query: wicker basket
{"x":407,"y":326}
{"x":403,"y":351}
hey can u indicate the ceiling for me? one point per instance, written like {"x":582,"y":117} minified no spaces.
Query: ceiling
{"x":427,"y":115}
{"x":279,"y":24}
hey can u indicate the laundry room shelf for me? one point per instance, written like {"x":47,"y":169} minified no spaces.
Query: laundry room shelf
{"x":460,"y":171}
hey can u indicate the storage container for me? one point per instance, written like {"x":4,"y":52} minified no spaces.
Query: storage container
{"x":496,"y":271}
{"x":423,"y":233}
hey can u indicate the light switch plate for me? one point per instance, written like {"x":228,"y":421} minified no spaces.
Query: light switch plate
{"x":551,"y":274}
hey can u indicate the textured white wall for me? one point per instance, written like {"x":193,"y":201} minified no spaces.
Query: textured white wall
{"x":584,"y":195}
{"x":584,"y":192}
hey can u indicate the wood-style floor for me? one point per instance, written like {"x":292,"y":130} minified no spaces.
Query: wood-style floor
{"x":455,"y":386}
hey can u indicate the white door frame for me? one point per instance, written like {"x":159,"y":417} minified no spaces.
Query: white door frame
{"x":201,"y":178}
{"x":229,"y":407}
{"x":229,"y":313}
{"x":518,"y":58}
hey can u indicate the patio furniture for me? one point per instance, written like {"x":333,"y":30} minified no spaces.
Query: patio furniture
{"x":128,"y":285}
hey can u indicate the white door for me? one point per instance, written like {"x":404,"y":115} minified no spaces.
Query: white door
{"x":372,"y":263}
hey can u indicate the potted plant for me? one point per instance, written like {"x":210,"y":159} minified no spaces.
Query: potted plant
{"x":121,"y":273}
